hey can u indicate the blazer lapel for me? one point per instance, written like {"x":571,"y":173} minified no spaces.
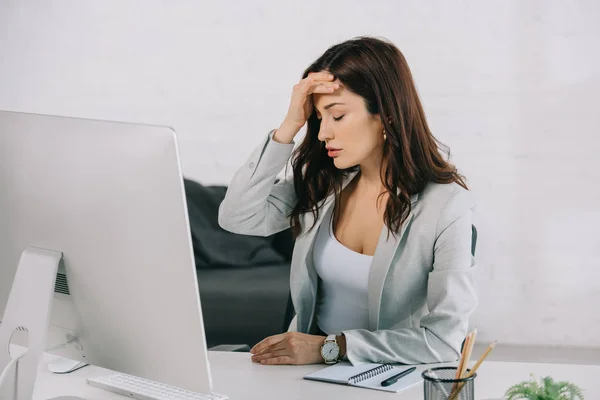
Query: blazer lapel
{"x":382,"y":260}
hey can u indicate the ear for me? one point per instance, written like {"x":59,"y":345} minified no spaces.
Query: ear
{"x":381,"y":120}
{"x":376,"y":118}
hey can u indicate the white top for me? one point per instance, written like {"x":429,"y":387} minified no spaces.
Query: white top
{"x":342,"y":303}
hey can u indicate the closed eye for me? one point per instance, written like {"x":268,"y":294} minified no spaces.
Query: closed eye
{"x":337,"y":119}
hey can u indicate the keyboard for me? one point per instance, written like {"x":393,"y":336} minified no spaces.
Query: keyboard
{"x":144,"y":389}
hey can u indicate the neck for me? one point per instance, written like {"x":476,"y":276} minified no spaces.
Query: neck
{"x":370,"y":174}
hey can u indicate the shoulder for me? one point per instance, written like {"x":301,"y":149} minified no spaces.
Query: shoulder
{"x":444,"y":202}
{"x":440,"y":194}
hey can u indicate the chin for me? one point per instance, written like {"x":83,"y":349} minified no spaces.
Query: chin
{"x":340,"y":163}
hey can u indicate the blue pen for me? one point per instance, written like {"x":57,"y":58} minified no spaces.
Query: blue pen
{"x":393,"y":379}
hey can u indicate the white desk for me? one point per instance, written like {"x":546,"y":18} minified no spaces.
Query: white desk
{"x":236,"y":376}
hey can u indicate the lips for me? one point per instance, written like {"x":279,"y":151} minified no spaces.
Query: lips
{"x":331,"y":152}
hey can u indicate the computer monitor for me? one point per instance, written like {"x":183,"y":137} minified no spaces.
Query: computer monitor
{"x":109,"y":197}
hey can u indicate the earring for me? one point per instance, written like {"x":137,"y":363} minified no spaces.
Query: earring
{"x":384,"y":135}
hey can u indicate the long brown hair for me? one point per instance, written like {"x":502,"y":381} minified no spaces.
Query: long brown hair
{"x":377,"y":71}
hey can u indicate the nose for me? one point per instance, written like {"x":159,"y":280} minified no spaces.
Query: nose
{"x":325,"y":133}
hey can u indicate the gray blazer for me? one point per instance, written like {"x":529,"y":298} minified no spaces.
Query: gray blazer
{"x":421,"y":288}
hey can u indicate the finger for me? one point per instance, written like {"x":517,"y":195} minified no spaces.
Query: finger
{"x":271,"y":354}
{"x":262,"y":348}
{"x":321,"y":76}
{"x":270,"y":349}
{"x":283,"y":360}
{"x":281,"y":346}
{"x":323,"y":87}
{"x":311,"y":80}
{"x":265,"y":343}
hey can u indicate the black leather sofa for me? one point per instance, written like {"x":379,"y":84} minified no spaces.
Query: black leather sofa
{"x":243,"y":280}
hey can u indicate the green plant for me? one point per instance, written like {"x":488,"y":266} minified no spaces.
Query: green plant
{"x":546,"y":389}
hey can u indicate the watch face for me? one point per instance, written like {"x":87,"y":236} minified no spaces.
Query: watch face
{"x":330,"y":351}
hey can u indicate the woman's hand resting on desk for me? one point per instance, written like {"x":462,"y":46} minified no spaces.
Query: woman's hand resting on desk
{"x":289,"y":348}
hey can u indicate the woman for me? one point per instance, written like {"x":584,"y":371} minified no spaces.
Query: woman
{"x":382,"y":269}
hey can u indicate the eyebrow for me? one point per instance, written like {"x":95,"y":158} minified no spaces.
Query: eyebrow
{"x":328,"y":106}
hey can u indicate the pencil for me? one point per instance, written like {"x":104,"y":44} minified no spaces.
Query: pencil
{"x":437,"y":384}
{"x":462,"y":356}
{"x":481,"y":359}
{"x":455,"y":393}
{"x":469,"y":352}
{"x":462,"y":361}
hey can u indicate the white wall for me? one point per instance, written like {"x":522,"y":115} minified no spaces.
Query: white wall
{"x":511,"y":86}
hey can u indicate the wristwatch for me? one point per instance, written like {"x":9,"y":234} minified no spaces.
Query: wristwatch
{"x":330,"y":350}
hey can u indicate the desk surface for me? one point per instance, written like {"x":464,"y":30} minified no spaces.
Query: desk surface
{"x":236,"y":376}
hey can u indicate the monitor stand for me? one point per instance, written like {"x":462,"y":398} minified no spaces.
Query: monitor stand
{"x":28,"y":308}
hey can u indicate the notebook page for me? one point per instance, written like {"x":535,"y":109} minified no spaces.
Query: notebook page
{"x":405,"y":382}
{"x":340,"y":372}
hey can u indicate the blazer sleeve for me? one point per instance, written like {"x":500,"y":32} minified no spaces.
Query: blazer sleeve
{"x":255,"y":204}
{"x":451,"y":299}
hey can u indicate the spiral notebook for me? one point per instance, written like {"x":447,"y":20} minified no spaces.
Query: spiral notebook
{"x":367,"y":376}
